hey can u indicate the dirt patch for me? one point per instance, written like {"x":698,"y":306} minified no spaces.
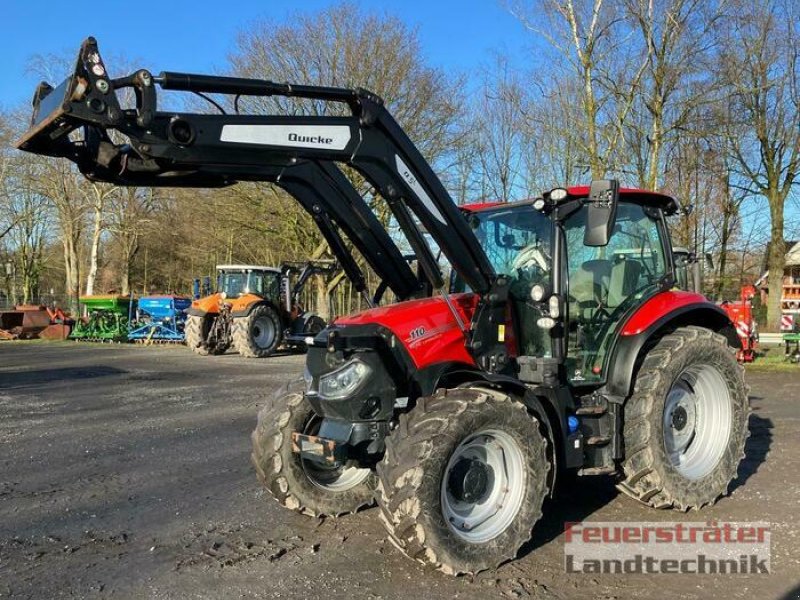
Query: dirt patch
{"x":126,"y":474}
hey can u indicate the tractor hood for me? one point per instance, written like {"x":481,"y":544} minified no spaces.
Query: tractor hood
{"x":212,"y":304}
{"x":426,"y":328}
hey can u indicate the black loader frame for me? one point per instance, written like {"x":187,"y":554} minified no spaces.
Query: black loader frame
{"x":295,"y":152}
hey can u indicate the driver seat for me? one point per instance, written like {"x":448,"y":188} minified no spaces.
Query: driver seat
{"x":589,"y":287}
{"x":623,"y":281}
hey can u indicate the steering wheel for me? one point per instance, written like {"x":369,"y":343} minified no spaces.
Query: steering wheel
{"x":531,"y":256}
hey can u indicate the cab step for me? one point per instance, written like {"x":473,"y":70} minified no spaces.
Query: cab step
{"x":594,"y":411}
{"x":598,"y":440}
{"x":597,"y":471}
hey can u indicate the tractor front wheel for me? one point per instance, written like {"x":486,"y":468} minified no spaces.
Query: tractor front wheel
{"x":297,"y":483}
{"x":258,"y":334}
{"x":463,"y":480}
{"x":686,"y":424}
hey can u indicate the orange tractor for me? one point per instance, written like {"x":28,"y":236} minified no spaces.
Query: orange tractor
{"x":255,"y":309}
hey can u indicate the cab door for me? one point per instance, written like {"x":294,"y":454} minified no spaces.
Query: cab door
{"x":605,"y":282}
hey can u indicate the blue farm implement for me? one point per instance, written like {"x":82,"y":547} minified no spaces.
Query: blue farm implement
{"x":158,"y":319}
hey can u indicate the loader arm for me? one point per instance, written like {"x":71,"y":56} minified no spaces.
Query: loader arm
{"x":326,"y":194}
{"x":310,"y":269}
{"x":203,"y":150}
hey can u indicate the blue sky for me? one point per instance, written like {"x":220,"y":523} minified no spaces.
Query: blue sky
{"x":197,"y":35}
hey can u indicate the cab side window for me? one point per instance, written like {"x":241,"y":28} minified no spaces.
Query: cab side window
{"x":605,"y":281}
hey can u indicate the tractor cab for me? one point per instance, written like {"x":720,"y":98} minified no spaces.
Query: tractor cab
{"x":567,"y":297}
{"x":237,"y":280}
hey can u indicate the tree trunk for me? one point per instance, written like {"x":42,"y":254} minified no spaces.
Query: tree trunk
{"x":723,"y":249}
{"x":656,"y":135}
{"x":130,"y":243}
{"x":323,"y":307}
{"x":775,"y":261}
{"x":71,"y":271}
{"x":95,"y":248}
{"x":125,"y":281}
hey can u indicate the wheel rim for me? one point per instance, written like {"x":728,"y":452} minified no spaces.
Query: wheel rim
{"x":263,"y":332}
{"x":698,"y":419}
{"x":483,"y":486}
{"x":330,"y":478}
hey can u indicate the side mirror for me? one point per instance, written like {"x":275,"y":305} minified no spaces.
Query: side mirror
{"x":602,"y":212}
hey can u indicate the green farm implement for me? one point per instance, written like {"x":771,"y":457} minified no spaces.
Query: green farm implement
{"x":106,"y":319}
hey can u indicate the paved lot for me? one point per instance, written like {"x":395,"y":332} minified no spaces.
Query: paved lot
{"x":124,"y":472}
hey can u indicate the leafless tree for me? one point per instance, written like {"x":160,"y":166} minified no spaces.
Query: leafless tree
{"x":759,"y":64}
{"x":676,"y":41}
{"x":500,"y":132}
{"x":588,"y":35}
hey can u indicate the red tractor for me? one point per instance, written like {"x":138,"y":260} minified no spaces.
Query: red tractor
{"x":557,"y":345}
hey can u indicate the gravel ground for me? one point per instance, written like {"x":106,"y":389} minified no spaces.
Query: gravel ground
{"x":124,"y":472}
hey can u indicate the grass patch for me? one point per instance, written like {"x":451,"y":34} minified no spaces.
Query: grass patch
{"x":771,"y":358}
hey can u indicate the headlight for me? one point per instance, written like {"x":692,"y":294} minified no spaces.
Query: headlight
{"x":344,"y":381}
{"x":553,"y":306}
{"x":537,"y":293}
{"x":546,"y":322}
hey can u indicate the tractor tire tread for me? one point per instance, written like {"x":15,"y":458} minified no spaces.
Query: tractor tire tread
{"x":242,"y":332}
{"x":420,"y":434}
{"x":271,"y":453}
{"x":646,"y":477}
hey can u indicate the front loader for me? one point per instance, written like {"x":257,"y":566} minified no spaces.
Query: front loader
{"x":557,"y":346}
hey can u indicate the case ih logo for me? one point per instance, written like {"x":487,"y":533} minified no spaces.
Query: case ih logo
{"x":310,"y":139}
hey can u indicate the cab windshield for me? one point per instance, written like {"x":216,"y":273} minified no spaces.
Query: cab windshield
{"x":517,"y":240}
{"x":233,"y":284}
{"x":236,"y":283}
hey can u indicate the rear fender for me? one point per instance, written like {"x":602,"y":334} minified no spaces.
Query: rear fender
{"x":630,"y":350}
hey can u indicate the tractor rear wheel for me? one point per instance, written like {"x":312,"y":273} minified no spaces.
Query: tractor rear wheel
{"x":686,"y":424}
{"x":258,"y":334}
{"x":297,"y":483}
{"x":463,"y":480}
{"x":196,"y":333}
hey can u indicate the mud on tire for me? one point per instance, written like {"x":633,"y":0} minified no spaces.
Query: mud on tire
{"x":196,"y":333}
{"x":418,"y":455}
{"x":659,"y":471}
{"x":294,"y":482}
{"x":258,"y":334}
